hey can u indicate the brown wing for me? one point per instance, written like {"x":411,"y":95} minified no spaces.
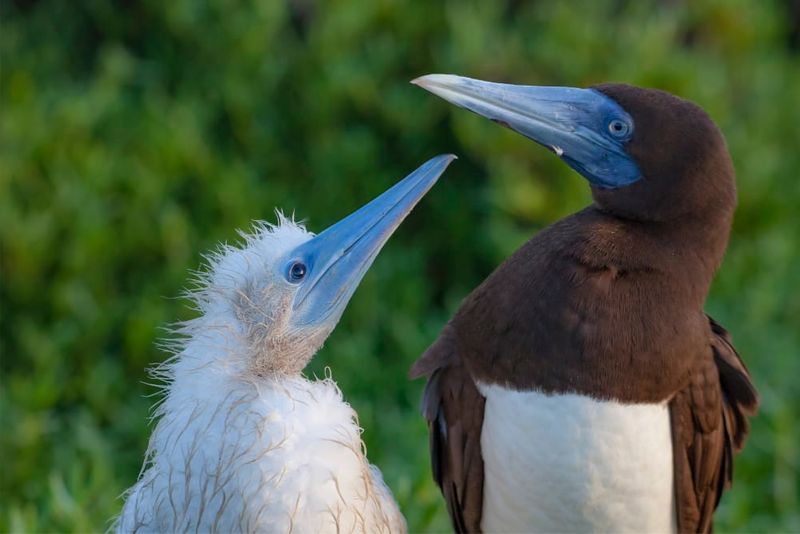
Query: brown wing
{"x":709,"y":421}
{"x":453,"y":407}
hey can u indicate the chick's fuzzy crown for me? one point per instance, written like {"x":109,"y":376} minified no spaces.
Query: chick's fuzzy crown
{"x":233,"y":270}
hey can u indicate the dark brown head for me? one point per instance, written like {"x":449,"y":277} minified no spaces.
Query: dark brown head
{"x":685,"y":166}
{"x":648,"y":155}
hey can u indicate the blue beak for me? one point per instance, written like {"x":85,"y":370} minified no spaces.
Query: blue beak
{"x":335,"y":261}
{"x":584,"y":127}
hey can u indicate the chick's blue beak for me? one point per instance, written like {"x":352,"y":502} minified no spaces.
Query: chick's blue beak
{"x":329,"y":267}
{"x":584,"y":127}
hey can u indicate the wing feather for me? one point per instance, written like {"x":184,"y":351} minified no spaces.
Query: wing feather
{"x":453,"y":407}
{"x":709,"y":421}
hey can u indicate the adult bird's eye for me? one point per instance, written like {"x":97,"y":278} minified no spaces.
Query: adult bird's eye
{"x":618,"y":128}
{"x":297,"y":271}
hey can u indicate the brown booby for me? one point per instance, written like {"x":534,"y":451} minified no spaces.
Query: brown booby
{"x":581,"y":386}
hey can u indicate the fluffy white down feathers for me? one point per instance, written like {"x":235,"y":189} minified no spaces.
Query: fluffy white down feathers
{"x":236,"y":449}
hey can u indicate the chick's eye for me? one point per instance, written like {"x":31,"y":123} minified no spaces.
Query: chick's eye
{"x":618,"y":128}
{"x":297,"y":271}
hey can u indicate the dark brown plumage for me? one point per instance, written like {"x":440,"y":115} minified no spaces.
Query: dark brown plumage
{"x":608,"y":303}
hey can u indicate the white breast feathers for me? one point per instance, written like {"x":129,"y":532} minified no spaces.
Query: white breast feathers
{"x":568,"y":463}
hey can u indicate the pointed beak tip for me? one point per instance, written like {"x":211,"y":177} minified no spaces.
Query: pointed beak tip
{"x":429,"y":80}
{"x":441,"y":162}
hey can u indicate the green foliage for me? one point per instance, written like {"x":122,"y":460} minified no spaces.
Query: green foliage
{"x":136,"y":135}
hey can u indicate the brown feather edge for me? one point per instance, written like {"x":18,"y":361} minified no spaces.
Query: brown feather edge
{"x":739,"y":400}
{"x":456,"y":460}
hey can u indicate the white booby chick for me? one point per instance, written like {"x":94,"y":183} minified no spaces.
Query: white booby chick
{"x":243,"y":441}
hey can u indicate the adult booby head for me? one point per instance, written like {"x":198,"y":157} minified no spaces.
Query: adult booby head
{"x":243,"y":441}
{"x":623,"y":139}
{"x":581,"y":386}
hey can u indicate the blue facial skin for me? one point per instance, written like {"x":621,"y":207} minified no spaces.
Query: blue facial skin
{"x":584,"y":127}
{"x":328,"y":268}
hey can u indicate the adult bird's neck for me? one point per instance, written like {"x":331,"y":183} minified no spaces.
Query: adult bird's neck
{"x":689,"y":248}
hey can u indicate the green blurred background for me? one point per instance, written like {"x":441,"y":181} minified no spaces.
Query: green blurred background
{"x":136,"y":135}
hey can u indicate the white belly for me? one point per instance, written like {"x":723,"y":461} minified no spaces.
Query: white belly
{"x":567,"y":463}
